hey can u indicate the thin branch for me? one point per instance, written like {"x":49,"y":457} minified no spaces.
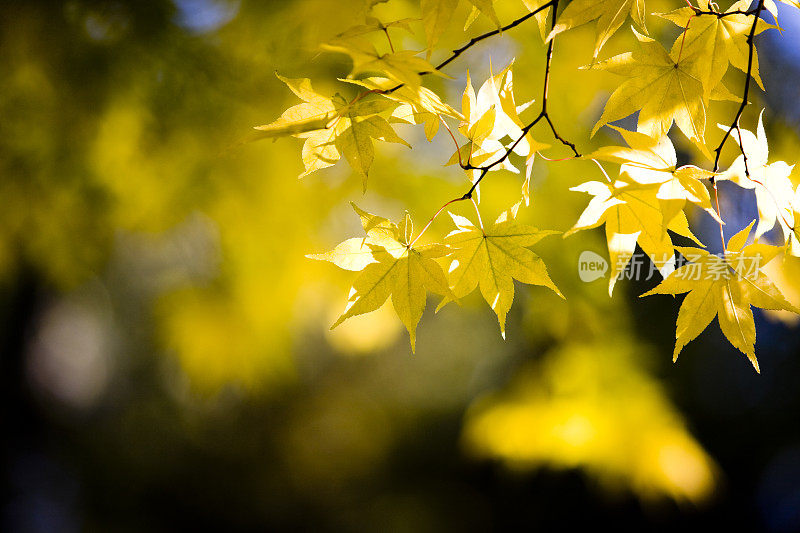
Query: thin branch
{"x":475,"y":40}
{"x":388,"y":38}
{"x":735,"y":123}
{"x":543,"y":114}
{"x":719,"y":15}
{"x":455,"y":142}
{"x":746,"y":91}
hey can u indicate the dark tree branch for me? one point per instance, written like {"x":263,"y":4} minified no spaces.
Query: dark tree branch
{"x":745,"y":93}
{"x":475,"y":40}
{"x":735,"y":123}
{"x":543,"y":114}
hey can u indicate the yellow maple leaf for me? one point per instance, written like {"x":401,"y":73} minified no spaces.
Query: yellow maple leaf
{"x":661,"y":86}
{"x":492,"y":125}
{"x":610,"y":14}
{"x":333,"y":127}
{"x":773,"y":188}
{"x":418,"y":105}
{"x":390,"y":266}
{"x":492,"y":259}
{"x":631,"y":214}
{"x":719,"y":41}
{"x":436,"y":15}
{"x":724,"y":287}
{"x":649,"y":161}
{"x":403,"y":66}
{"x":315,"y":113}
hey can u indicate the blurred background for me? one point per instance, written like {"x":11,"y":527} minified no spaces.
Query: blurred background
{"x":166,"y":357}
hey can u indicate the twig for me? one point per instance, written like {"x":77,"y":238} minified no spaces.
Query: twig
{"x":746,"y":92}
{"x":439,"y":212}
{"x":475,"y":40}
{"x":735,"y":123}
{"x":543,"y":114}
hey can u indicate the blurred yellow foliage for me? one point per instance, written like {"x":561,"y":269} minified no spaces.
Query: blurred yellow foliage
{"x":591,"y":406}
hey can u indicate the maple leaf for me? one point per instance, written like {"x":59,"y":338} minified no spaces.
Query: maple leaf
{"x":436,"y":15}
{"x":661,"y":86}
{"x":773,"y":188}
{"x":716,"y":41}
{"x":492,"y":259}
{"x":631,"y":213}
{"x":649,"y":161}
{"x":333,"y":127}
{"x":315,"y":113}
{"x":725,"y":287}
{"x":610,"y":14}
{"x":403,"y":66}
{"x":418,"y":105}
{"x":390,"y":266}
{"x":354,"y":140}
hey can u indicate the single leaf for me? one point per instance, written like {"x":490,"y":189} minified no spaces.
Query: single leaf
{"x":493,"y":259}
{"x":632,"y":214}
{"x":717,"y":41}
{"x":661,"y":87}
{"x":389,"y":266}
{"x":649,"y":161}
{"x":403,"y":66}
{"x":724,"y":287}
{"x":492,"y":124}
{"x":609,"y":14}
{"x":419,"y":105}
{"x":773,"y":189}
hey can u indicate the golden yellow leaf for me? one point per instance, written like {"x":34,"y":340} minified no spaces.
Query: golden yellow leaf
{"x":631,"y":214}
{"x":609,"y":14}
{"x":724,"y":287}
{"x":717,"y":41}
{"x":773,"y":188}
{"x":390,"y":266}
{"x":493,"y":258}
{"x":649,"y":161}
{"x":661,"y":86}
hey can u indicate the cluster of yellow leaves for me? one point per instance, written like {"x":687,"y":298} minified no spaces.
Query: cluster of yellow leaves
{"x":333,"y":127}
{"x":645,"y":201}
{"x":492,"y":127}
{"x":649,"y":197}
{"x":642,"y":206}
{"x":391,"y":264}
{"x":676,"y":86}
